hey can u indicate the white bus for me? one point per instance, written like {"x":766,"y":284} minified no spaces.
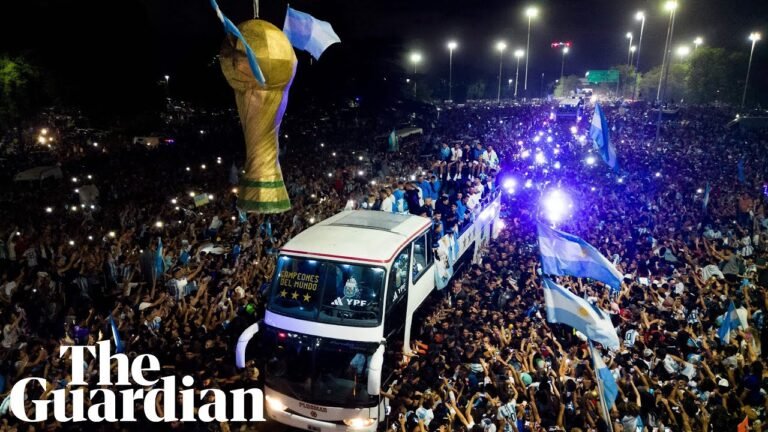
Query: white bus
{"x":340,"y":310}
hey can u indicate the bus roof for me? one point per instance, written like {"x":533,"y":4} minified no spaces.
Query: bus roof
{"x":358,"y":235}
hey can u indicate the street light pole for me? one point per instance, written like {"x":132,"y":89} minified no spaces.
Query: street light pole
{"x":500,"y":46}
{"x":754,"y":37}
{"x":451,"y":46}
{"x":696,"y":42}
{"x":629,"y":49}
{"x":519,"y":53}
{"x":562,"y":63}
{"x":531,"y":13}
{"x":415,"y":59}
{"x":638,"y":16}
{"x":671,"y":6}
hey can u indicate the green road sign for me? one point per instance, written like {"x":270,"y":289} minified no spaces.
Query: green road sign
{"x":600,"y":76}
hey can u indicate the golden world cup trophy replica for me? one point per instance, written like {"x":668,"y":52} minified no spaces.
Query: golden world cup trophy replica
{"x":261,"y":108}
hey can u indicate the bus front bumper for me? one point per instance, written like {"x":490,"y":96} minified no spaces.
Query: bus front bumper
{"x":305,"y":423}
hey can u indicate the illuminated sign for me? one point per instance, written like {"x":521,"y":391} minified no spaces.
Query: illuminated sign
{"x":601,"y":76}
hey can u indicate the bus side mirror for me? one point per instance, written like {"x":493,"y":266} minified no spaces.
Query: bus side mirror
{"x":242,"y":344}
{"x":374,"y":371}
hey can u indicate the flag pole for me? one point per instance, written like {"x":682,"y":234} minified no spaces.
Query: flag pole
{"x":255,"y":9}
{"x":603,"y":404}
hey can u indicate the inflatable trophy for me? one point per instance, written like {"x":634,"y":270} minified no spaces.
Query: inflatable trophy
{"x":261,"y":109}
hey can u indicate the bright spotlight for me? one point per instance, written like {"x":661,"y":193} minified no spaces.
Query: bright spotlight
{"x":525,"y":154}
{"x":528,"y":184}
{"x":670,"y":5}
{"x":557,"y":205}
{"x":574,"y":130}
{"x":509,"y":183}
{"x":590,"y":160}
{"x":557,"y":165}
{"x":540,"y":158}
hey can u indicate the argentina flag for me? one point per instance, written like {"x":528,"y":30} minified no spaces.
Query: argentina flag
{"x":119,"y":347}
{"x":731,"y":322}
{"x":309,"y":33}
{"x":564,"y":254}
{"x":565,"y":307}
{"x":598,"y":133}
{"x":232,"y":29}
{"x":605,"y":380}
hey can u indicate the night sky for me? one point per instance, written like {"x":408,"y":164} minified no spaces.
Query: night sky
{"x":115,"y":53}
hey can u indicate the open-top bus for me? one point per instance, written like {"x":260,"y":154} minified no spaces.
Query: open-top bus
{"x":340,"y":310}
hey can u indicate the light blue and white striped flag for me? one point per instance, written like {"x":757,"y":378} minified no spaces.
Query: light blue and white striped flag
{"x":731,"y":322}
{"x":564,"y":254}
{"x":605,"y":380}
{"x":119,"y":347}
{"x":705,"y":200}
{"x":232,"y":29}
{"x":159,"y":259}
{"x":309,"y":33}
{"x":598,"y":132}
{"x":565,"y":307}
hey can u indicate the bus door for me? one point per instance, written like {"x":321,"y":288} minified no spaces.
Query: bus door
{"x":395,"y":315}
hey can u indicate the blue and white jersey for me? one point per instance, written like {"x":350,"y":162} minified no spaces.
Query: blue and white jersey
{"x":445,"y":153}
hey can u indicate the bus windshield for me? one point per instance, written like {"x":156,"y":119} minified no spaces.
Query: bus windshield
{"x":327,"y":291}
{"x":318,"y":370}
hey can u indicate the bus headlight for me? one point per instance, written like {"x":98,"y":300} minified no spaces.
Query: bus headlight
{"x":275,"y":404}
{"x":359,"y":423}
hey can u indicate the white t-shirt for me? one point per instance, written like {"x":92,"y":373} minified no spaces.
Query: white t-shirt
{"x":387,"y":203}
{"x":179,"y":285}
{"x":456,"y":154}
{"x":9,"y":288}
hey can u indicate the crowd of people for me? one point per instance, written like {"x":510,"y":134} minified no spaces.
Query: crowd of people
{"x":683,"y":219}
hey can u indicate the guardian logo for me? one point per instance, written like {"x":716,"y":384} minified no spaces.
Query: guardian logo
{"x":130,"y":374}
